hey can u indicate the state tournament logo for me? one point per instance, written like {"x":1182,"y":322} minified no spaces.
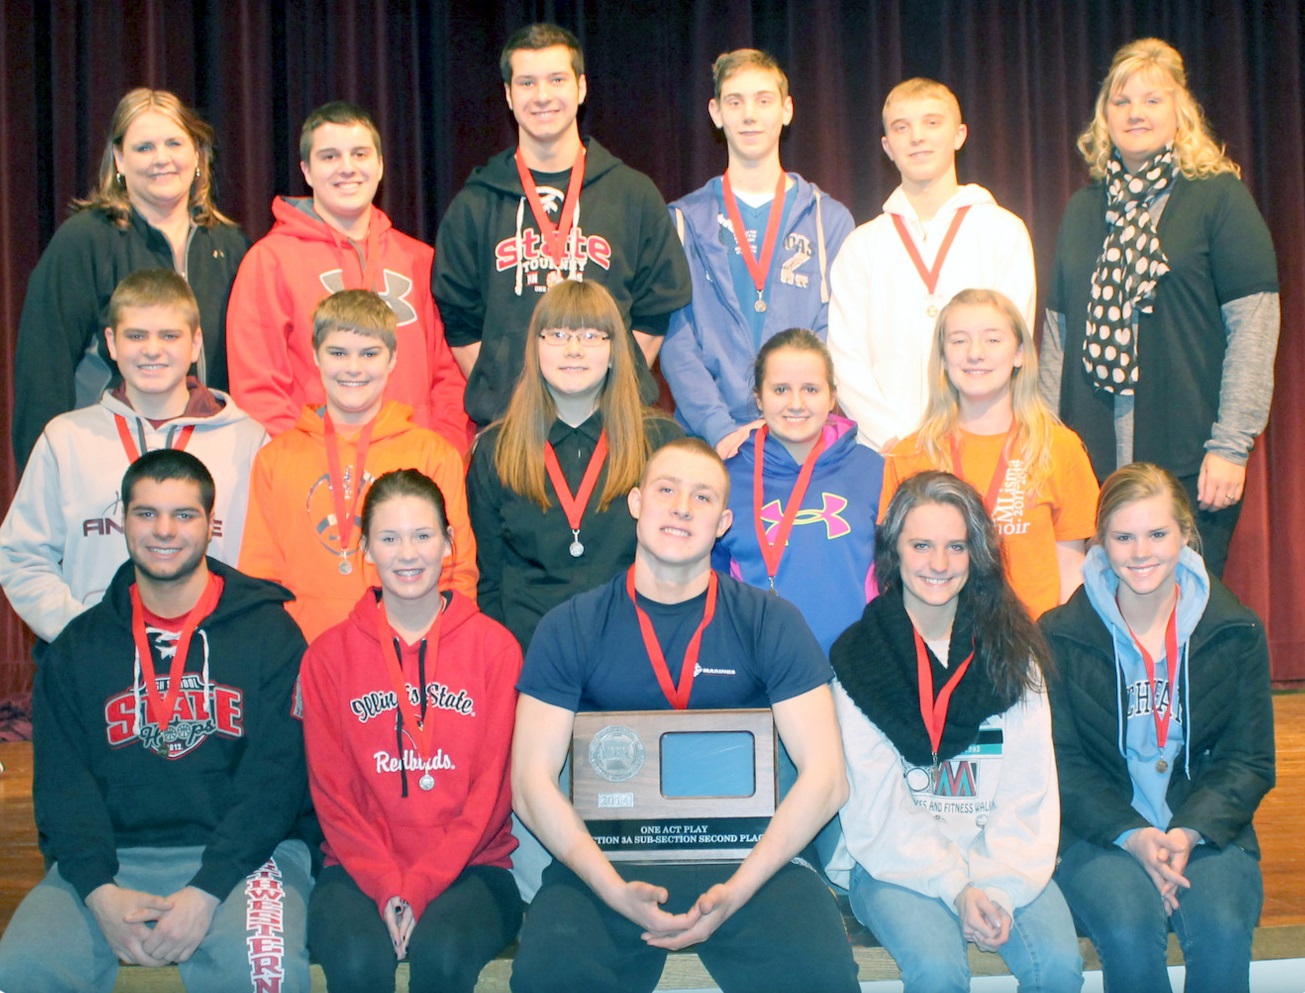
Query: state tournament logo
{"x":535,"y":268}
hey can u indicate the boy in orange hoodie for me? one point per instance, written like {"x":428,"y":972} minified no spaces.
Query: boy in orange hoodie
{"x":308,"y":483}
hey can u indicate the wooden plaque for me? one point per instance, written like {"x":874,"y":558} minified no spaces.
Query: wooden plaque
{"x":674,"y":785}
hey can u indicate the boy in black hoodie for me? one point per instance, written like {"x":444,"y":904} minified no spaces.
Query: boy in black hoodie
{"x":553,"y":208}
{"x":169,"y":768}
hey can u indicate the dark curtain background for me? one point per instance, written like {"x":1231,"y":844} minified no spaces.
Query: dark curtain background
{"x":1025,"y":72}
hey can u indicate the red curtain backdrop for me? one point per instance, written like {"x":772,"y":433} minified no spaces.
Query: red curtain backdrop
{"x":1025,"y":71}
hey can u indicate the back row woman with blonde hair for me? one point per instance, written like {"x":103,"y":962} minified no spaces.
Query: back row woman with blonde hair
{"x":152,"y":206}
{"x":986,"y":423}
{"x":1162,"y":314}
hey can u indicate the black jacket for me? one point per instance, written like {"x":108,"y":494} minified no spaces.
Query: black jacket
{"x":234,"y":781}
{"x":64,"y":310}
{"x":1229,"y":727}
{"x":490,"y":270}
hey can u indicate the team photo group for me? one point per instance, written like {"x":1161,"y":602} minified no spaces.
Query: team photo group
{"x":335,"y":544}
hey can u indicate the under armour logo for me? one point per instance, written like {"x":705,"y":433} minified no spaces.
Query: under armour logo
{"x":395,"y":292}
{"x":831,"y":506}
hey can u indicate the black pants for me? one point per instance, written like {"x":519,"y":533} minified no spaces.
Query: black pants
{"x":789,"y":937}
{"x":462,"y":929}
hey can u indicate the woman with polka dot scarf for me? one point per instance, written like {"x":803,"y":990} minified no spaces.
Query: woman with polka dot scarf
{"x":1162,"y":316}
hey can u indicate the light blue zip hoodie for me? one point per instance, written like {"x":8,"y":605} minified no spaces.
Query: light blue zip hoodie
{"x":1137,"y":734}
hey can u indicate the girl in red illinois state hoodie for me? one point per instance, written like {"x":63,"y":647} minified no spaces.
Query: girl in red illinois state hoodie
{"x":411,"y":786}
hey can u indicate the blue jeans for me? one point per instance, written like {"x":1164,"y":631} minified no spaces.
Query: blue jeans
{"x":923,"y":935}
{"x":1120,"y":909}
{"x":256,"y":937}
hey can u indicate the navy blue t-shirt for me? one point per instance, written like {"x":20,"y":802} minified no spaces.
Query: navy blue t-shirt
{"x":588,"y":654}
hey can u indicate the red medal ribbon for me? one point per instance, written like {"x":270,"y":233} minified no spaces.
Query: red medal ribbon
{"x":129,"y":443}
{"x":1171,"y":656}
{"x":930,"y":276}
{"x":344,"y":509}
{"x":417,"y":712}
{"x":934,"y":711}
{"x":772,"y":552}
{"x":553,"y":235}
{"x":161,"y":707}
{"x":756,"y":269}
{"x":574,"y":505}
{"x":676,"y":696}
{"x":998,"y":474}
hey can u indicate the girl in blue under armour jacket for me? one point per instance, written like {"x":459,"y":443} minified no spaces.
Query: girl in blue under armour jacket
{"x":805,"y":495}
{"x":1164,"y":740}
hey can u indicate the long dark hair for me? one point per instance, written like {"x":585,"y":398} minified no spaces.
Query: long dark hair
{"x":1009,"y":647}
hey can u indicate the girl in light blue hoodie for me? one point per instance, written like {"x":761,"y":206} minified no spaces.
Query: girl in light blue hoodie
{"x":1163,"y":726}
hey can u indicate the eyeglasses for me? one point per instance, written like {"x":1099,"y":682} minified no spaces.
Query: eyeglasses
{"x":587,"y":338}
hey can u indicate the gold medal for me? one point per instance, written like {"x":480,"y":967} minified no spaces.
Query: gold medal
{"x":759,"y":306}
{"x":932,"y":311}
{"x":1162,"y":766}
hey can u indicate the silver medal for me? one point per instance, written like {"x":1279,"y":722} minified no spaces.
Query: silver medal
{"x":759,"y":306}
{"x":427,"y":782}
{"x":345,"y":567}
{"x":576,"y":549}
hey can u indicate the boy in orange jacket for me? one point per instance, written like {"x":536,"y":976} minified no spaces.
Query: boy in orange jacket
{"x":308,"y":483}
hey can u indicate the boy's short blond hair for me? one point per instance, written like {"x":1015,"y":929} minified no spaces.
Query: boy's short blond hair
{"x":919,"y":88}
{"x":153,"y":288}
{"x":728,"y":64}
{"x":359,"y":311}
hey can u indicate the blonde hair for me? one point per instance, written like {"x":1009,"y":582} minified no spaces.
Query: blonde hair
{"x":1034,"y":422}
{"x":920,"y":88}
{"x":519,"y":454}
{"x":153,"y":287}
{"x":110,"y":193}
{"x":728,"y":64}
{"x":1141,"y":481}
{"x":1196,"y":152}
{"x":360,"y":311}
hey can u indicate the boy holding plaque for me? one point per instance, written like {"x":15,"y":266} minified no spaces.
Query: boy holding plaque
{"x":309,"y":483}
{"x":893,"y":274}
{"x":673,"y":634}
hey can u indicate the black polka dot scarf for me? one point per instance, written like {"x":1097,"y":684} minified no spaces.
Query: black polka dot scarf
{"x":1131,"y":262}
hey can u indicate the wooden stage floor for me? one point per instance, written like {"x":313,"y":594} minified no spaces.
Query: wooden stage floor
{"x":1280,"y":823}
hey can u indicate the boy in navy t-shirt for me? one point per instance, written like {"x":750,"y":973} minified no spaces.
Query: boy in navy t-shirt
{"x":765,"y":923}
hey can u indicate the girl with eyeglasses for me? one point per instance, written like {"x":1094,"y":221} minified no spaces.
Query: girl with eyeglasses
{"x":547,"y":484}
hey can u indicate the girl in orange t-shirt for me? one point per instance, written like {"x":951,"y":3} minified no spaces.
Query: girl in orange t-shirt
{"x":986,"y":423}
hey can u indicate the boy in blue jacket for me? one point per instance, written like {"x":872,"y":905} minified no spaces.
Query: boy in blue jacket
{"x":760,"y":242}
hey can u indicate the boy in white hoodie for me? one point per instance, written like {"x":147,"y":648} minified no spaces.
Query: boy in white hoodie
{"x":62,"y":539}
{"x":894,"y":274}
